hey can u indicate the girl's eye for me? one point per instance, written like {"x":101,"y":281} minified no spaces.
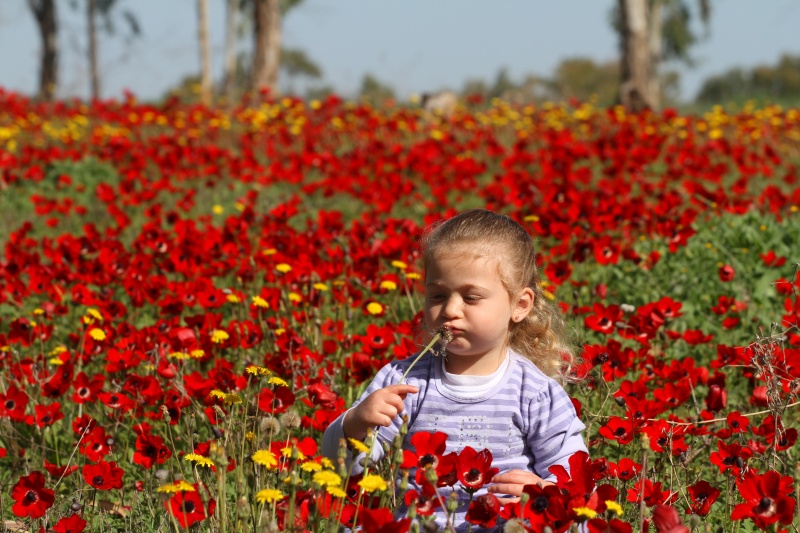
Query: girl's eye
{"x":472,"y":298}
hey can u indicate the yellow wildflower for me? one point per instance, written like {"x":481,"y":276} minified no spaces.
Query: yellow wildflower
{"x":336,"y":492}
{"x":218,"y":209}
{"x":310,"y":466}
{"x":370,"y":483}
{"x":269,"y":496}
{"x":217,"y":394}
{"x":258,"y":370}
{"x":283,"y":268}
{"x":199,"y":459}
{"x":295,"y":297}
{"x":55,"y":361}
{"x":178,"y":355}
{"x":327,"y":463}
{"x":374,"y":308}
{"x":585,"y":512}
{"x":219,"y":336}
{"x":232,"y":298}
{"x":97,"y":334}
{"x":38,"y":311}
{"x":177,"y":486}
{"x":413,"y":275}
{"x":197,"y":354}
{"x":327,"y":478}
{"x":275,"y":380}
{"x":265,"y":458}
{"x":358,"y":446}
{"x":614,"y":507}
{"x":95,"y":313}
{"x":249,"y":436}
{"x":269,"y":251}
{"x":388,"y":285}
{"x":399,"y":264}
{"x":287,"y":452}
{"x":258,"y":301}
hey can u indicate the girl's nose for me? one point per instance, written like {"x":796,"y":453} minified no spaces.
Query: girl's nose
{"x":452,"y":307}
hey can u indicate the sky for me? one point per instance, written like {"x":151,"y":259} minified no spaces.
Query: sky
{"x":413,"y":45}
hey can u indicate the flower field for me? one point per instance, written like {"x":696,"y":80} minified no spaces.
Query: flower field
{"x":190,"y":295}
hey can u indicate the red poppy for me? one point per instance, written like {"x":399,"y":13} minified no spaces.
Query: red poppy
{"x":56,"y":471}
{"x":736,"y":422}
{"x":483,"y":511}
{"x":150,"y":450}
{"x":475,"y":468}
{"x":187,"y":507}
{"x":702,"y":495}
{"x":768,"y":499}
{"x":667,"y":520}
{"x":381,"y":520}
{"x":103,"y":475}
{"x":726,"y":273}
{"x":598,"y":525}
{"x":70,"y":524}
{"x":651,"y":493}
{"x":30,"y":497}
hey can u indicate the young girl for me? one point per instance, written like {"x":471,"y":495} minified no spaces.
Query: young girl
{"x":497,"y":384}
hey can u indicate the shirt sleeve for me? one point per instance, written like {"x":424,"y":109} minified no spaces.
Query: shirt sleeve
{"x":388,"y":375}
{"x":555,"y":430}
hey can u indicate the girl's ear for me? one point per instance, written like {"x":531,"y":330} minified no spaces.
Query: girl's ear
{"x":524,"y":304}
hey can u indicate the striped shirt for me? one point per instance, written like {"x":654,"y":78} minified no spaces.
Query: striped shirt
{"x":526,"y":420}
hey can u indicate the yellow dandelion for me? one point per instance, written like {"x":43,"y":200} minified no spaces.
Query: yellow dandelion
{"x":269,"y":251}
{"x":250,"y":436}
{"x":327,"y":463}
{"x":258,"y":301}
{"x":38,"y":311}
{"x":399,"y":265}
{"x":388,"y":285}
{"x":94,"y":313}
{"x":258,"y":370}
{"x":327,"y":478}
{"x":358,"y":446}
{"x":295,"y":297}
{"x":219,"y":336}
{"x":218,"y":209}
{"x":197,"y":354}
{"x":55,"y":361}
{"x":287,"y":452}
{"x":614,"y":507}
{"x":374,"y":308}
{"x":531,"y":218}
{"x":217,"y":394}
{"x":310,"y":466}
{"x":58,"y":350}
{"x":371,"y":483}
{"x":178,"y":355}
{"x":413,"y":276}
{"x":232,"y":398}
{"x":585,"y":512}
{"x":280,"y":331}
{"x":232,"y":298}
{"x":200,"y":460}
{"x":265,"y":458}
{"x":283,"y":268}
{"x":320,"y":287}
{"x":177,"y":486}
{"x":274,"y":380}
{"x":97,"y":334}
{"x":336,"y":492}
{"x":269,"y":496}
{"x":549,"y":295}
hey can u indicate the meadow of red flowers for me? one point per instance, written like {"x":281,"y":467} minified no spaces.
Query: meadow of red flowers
{"x":189,"y":295}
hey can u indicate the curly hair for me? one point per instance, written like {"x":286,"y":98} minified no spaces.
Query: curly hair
{"x":541,"y":336}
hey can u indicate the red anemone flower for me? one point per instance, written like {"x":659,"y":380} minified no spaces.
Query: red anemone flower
{"x":703,"y":495}
{"x":31,"y":499}
{"x":381,"y":520}
{"x":483,"y":511}
{"x":187,"y":508}
{"x":70,"y":524}
{"x":103,"y":475}
{"x":475,"y":468}
{"x":667,"y":520}
{"x":767,"y":499}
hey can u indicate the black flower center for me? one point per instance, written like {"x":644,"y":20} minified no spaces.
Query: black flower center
{"x":188,"y":507}
{"x":427,"y":460}
{"x":97,"y":480}
{"x":540,"y":503}
{"x":473,"y":475}
{"x":31,"y":496}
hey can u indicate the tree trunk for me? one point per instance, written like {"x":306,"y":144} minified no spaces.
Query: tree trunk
{"x":267,"y":45}
{"x":655,"y":24}
{"x":230,"y":49}
{"x":44,"y":11}
{"x":94,"y":76}
{"x":634,"y":89}
{"x":205,"y":52}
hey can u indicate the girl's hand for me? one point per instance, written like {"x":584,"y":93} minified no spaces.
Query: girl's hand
{"x":378,"y":409}
{"x":512,"y":482}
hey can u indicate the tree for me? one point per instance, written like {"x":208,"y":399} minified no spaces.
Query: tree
{"x":205,"y":51}
{"x":44,"y":11}
{"x":230,"y":48}
{"x":651,"y":32}
{"x":266,"y":44}
{"x":104,"y":11}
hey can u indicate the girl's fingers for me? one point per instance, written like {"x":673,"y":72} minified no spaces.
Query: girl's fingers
{"x":522,"y":477}
{"x":401,"y":389}
{"x":514,"y":489}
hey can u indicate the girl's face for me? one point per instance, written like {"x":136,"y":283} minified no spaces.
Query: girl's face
{"x":464,"y":293}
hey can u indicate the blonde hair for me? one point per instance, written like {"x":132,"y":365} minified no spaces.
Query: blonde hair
{"x":541,"y":335}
